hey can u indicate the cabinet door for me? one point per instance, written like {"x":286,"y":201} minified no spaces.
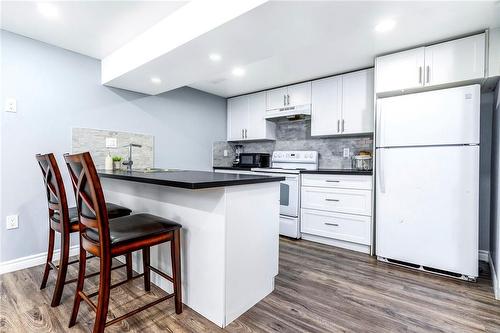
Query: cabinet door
{"x":299,"y":94}
{"x":326,"y":106}
{"x":403,"y":70}
{"x":276,"y":98}
{"x":237,"y":117}
{"x":257,"y":124}
{"x":357,"y":102}
{"x":456,"y":60}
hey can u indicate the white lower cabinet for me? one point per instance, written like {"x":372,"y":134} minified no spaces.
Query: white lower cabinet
{"x":337,"y":210}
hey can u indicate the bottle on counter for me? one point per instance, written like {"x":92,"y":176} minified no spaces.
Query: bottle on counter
{"x":108,"y":162}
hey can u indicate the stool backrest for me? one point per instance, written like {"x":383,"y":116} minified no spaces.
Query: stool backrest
{"x":90,"y":202}
{"x":55,"y":191}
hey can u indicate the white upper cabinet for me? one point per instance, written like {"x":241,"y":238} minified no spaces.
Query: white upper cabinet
{"x":343,"y":104}
{"x":326,"y":106}
{"x":297,"y":94}
{"x":458,"y":60}
{"x":357,"y":102}
{"x":402,"y":70}
{"x":237,"y":117}
{"x":445,"y":63}
{"x":245,"y":118}
{"x":276,"y":98}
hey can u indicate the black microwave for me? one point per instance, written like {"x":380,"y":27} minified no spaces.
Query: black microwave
{"x":254,"y":160}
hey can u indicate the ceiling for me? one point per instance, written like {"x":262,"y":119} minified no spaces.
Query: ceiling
{"x":275,"y":42}
{"x":93,"y":28}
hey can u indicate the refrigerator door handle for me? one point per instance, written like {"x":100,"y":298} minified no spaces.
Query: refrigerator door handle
{"x":380,"y":171}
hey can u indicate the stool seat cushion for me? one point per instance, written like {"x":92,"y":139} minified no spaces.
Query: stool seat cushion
{"x":134,"y":227}
{"x":114,"y":211}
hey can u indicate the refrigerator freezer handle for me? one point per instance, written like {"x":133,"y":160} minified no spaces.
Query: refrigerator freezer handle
{"x":380,"y":171}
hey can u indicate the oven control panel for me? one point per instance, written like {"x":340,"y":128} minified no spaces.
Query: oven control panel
{"x":301,"y":156}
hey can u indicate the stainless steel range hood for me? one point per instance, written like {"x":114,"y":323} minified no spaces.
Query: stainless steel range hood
{"x":299,"y":111}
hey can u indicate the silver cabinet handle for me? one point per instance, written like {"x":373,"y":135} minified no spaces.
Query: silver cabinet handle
{"x":335,"y":200}
{"x":338,"y":125}
{"x":284,"y":100}
{"x":242,"y":133}
{"x":332,"y":181}
{"x":428,"y":70}
{"x":287,"y":99}
{"x":342,"y":125}
{"x":246,"y":136}
{"x":332,"y":224}
{"x":419,"y":74}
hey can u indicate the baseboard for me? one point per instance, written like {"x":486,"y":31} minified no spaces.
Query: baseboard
{"x":484,"y":255}
{"x":494,"y":277}
{"x":33,"y":260}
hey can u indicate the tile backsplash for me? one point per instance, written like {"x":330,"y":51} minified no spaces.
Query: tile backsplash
{"x":296,"y":135}
{"x":94,"y":141}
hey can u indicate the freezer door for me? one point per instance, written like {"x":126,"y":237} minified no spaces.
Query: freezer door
{"x":440,"y":117}
{"x":427,"y":206}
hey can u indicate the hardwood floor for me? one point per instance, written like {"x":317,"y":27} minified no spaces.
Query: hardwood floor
{"x":319,"y":289}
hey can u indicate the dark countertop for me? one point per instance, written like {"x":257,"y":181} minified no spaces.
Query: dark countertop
{"x":189,"y":179}
{"x":231,"y":168}
{"x":339,"y":172}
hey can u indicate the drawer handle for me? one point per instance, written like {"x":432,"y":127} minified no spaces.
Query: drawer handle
{"x":332,"y":224}
{"x":332,"y":181}
{"x":335,"y":200}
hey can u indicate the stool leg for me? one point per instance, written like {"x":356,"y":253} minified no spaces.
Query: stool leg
{"x":79,"y":286}
{"x":50,"y":253}
{"x":175,"y":251}
{"x":103,"y":298}
{"x":145,"y":266}
{"x":63,"y":268}
{"x":128,"y":261}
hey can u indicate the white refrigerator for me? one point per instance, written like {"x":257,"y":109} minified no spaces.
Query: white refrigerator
{"x":427,"y":180}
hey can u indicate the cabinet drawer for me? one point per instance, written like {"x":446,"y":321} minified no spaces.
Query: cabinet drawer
{"x":351,"y":228}
{"x":361,"y":182}
{"x":337,"y":200}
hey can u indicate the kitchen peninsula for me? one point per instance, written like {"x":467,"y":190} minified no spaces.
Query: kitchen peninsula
{"x":230,"y":227}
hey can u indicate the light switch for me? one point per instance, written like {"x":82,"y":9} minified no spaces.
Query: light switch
{"x":346,"y":152}
{"x":225,"y":153}
{"x":12,"y":222}
{"x":10,"y":105}
{"x":111,"y":143}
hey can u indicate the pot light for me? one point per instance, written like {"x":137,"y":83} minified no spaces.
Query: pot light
{"x":48,"y":10}
{"x":156,"y":80}
{"x":238,"y":71}
{"x":385,"y":26}
{"x":215,"y":57}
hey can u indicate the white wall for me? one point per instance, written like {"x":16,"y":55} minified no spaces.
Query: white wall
{"x":495,"y":193}
{"x":56,"y":90}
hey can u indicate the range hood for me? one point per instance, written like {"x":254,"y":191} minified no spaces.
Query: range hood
{"x":293,"y":112}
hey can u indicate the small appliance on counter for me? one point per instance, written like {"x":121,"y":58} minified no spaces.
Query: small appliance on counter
{"x":238,"y":149}
{"x":253,"y":160}
{"x":362,"y":161}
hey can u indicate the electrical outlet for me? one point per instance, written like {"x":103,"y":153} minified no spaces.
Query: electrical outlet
{"x":12,"y":222}
{"x":111,"y":143}
{"x":346,"y":152}
{"x":10,"y":105}
{"x":226,"y":153}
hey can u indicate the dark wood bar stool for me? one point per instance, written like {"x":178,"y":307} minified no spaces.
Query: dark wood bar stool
{"x":64,"y":220}
{"x":107,"y":239}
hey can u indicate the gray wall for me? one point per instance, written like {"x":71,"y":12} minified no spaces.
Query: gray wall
{"x":495,"y":186}
{"x":57,"y":90}
{"x":487,"y":101}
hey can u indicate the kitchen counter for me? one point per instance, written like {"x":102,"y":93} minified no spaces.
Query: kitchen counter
{"x":188,"y":179}
{"x":339,"y":172}
{"x":231,"y":168}
{"x":229,"y":235}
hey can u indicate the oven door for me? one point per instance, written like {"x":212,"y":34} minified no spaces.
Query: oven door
{"x":289,"y":196}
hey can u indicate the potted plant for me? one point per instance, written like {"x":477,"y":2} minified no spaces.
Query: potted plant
{"x":117,"y":162}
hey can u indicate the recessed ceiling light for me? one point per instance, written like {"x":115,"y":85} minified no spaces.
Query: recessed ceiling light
{"x":156,"y":80}
{"x":215,"y":57}
{"x":385,"y":26}
{"x":48,"y":10}
{"x":238,"y":71}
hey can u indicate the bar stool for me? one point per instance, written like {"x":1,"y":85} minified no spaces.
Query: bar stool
{"x":110,"y":238}
{"x":64,"y":220}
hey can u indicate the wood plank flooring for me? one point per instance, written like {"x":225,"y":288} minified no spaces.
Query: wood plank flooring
{"x":319,"y":289}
